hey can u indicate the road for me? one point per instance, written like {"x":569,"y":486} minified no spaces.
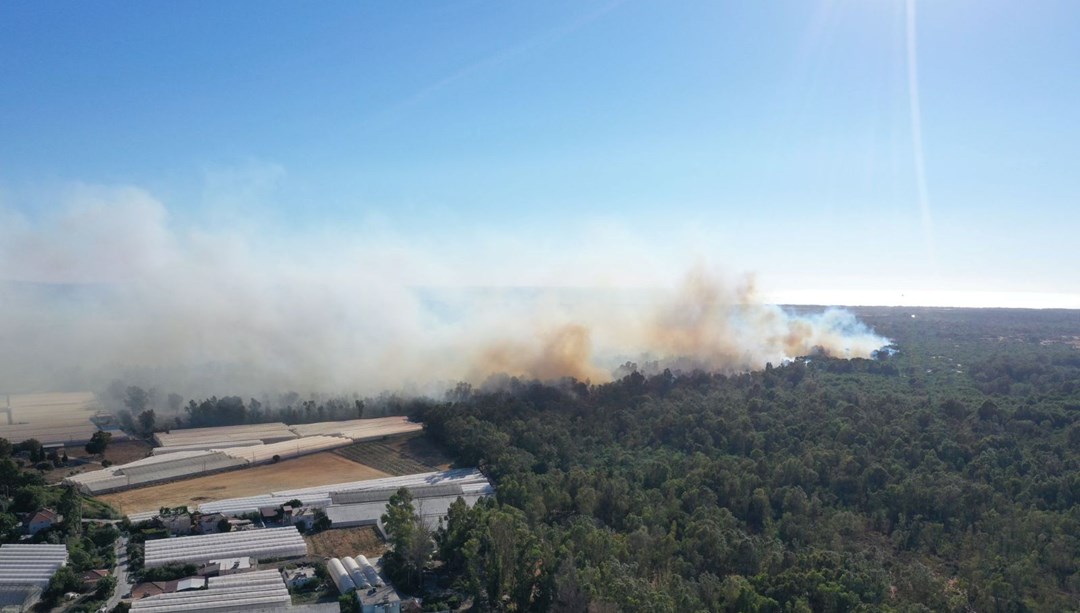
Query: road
{"x":122,"y":585}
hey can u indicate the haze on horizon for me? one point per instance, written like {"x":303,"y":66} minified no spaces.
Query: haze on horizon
{"x":277,"y":186}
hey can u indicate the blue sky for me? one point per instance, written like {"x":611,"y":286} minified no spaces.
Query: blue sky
{"x":575,"y":143}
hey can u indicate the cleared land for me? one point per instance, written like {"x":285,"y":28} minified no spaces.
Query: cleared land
{"x":307,"y":471}
{"x":49,"y":418}
{"x":401,"y":456}
{"x":125,"y":451}
{"x":353,"y":542}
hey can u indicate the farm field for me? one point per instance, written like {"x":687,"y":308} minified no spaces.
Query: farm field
{"x":336,"y":543}
{"x":403,"y":456}
{"x":49,"y":418}
{"x":306,"y":471}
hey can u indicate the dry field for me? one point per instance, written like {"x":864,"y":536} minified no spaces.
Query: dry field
{"x":306,"y":471}
{"x":50,"y":418}
{"x":422,"y":449}
{"x":362,"y":540}
{"x":398,"y":456}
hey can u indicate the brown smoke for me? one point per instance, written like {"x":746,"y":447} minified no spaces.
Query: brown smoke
{"x":105,"y":285}
{"x":565,"y":351}
{"x":704,"y":324}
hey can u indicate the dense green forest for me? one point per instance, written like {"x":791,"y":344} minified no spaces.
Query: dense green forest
{"x":943,"y":477}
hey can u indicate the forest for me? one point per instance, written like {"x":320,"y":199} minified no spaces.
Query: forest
{"x":940,"y":476}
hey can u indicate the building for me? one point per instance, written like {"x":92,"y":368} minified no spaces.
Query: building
{"x":90,"y":578}
{"x":228,"y":566}
{"x":176,"y":523}
{"x":379,"y":600}
{"x":303,"y":518}
{"x":156,"y":588}
{"x":152,"y":588}
{"x":268,"y":543}
{"x":25,"y":572}
{"x":208,"y":522}
{"x":298,"y":577}
{"x":262,"y":590}
{"x":43,"y":519}
{"x":359,"y":503}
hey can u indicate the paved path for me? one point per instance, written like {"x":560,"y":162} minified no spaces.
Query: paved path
{"x":122,"y":585}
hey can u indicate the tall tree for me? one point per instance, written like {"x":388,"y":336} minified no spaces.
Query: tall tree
{"x":136,"y":399}
{"x":99,"y":442}
{"x":410,"y":538}
{"x":70,"y":507}
{"x":147,"y":421}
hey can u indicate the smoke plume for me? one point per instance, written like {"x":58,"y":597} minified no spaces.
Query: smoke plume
{"x":109,"y":285}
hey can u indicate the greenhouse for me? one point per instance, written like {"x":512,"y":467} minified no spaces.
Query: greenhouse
{"x":286,"y":449}
{"x":361,"y":429}
{"x":259,"y":544}
{"x":154,"y":469}
{"x":25,"y":572}
{"x":225,"y":436}
{"x":254,"y":591}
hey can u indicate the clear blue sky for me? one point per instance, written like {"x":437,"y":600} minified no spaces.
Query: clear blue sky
{"x":768,"y":137}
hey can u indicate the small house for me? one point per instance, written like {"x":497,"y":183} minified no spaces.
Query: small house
{"x":176,"y":523}
{"x":208,"y":523}
{"x":227,"y":566}
{"x":43,"y":519}
{"x":90,"y":578}
{"x":298,"y":577}
{"x":303,"y":517}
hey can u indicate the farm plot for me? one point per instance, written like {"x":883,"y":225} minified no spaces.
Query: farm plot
{"x":49,"y":418}
{"x":362,"y":540}
{"x":383,"y":457}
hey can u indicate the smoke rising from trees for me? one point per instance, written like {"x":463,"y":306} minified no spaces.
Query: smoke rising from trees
{"x":109,"y":286}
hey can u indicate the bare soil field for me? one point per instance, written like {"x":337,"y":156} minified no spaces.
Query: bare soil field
{"x":422,"y":449}
{"x":307,"y":471}
{"x":361,"y":540}
{"x":398,"y":456}
{"x":126,"y":451}
{"x":49,"y":418}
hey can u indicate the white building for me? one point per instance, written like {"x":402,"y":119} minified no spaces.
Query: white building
{"x":25,"y":572}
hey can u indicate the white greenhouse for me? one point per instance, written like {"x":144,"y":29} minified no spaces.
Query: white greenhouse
{"x":361,"y":429}
{"x":292,"y":448}
{"x":340,"y":576}
{"x":255,"y":591}
{"x":259,"y":544}
{"x":25,"y":572}
{"x":226,"y":436}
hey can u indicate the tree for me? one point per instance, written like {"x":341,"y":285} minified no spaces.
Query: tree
{"x":99,"y":442}
{"x":175,"y":401}
{"x":410,"y":538}
{"x":33,"y":447}
{"x":29,"y":499}
{"x":63,"y":581}
{"x":105,"y":587}
{"x":5,"y":448}
{"x":147,"y":421}
{"x":70,"y":507}
{"x":136,"y":399}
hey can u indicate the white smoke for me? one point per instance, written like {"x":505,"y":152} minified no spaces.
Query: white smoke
{"x":109,"y":285}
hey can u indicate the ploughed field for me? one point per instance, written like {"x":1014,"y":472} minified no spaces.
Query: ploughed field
{"x":402,"y":456}
{"x":305,"y":471}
